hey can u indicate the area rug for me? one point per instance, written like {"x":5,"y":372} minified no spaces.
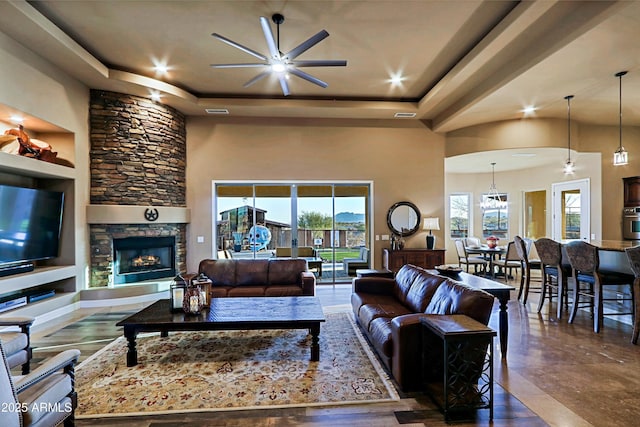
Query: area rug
{"x":232,"y":370}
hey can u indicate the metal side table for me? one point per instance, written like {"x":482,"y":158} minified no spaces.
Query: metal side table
{"x":458,"y":363}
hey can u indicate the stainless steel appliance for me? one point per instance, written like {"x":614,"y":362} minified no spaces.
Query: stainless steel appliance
{"x":631,"y":223}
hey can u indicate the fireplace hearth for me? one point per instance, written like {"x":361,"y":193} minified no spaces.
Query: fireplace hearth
{"x":143,"y":258}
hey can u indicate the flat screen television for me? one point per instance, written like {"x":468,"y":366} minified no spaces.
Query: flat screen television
{"x":30,"y":224}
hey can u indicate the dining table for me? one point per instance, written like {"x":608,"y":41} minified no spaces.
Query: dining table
{"x":490,"y":254}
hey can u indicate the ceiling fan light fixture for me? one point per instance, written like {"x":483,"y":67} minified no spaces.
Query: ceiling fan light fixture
{"x":281,"y":64}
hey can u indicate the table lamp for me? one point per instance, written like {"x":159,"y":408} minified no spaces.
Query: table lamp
{"x":431,"y":224}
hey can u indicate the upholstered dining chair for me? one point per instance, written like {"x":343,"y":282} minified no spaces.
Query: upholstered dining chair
{"x":17,"y":344}
{"x":525,"y":276}
{"x":464,"y":258}
{"x":554,"y":273}
{"x":510,"y":261}
{"x":633,"y":254}
{"x":44,"y":397}
{"x":590,"y":281}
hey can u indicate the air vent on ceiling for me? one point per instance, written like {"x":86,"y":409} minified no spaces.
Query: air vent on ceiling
{"x":217,"y":111}
{"x":404,"y":115}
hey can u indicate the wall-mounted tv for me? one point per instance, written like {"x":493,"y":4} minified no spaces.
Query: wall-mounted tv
{"x":30,"y":224}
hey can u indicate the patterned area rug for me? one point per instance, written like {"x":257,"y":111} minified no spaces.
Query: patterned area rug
{"x":231,"y":370}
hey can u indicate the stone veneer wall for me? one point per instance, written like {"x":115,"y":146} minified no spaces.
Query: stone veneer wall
{"x":138,"y":151}
{"x":137,"y":157}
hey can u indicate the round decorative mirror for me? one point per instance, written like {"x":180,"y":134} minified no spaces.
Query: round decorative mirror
{"x":403,"y":218}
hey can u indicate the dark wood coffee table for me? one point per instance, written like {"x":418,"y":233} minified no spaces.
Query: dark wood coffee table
{"x":243,"y":313}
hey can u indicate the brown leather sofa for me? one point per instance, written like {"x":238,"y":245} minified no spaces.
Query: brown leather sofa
{"x":389,"y":310}
{"x":258,"y":277}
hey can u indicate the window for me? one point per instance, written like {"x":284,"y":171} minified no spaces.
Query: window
{"x":459,"y":215}
{"x":495,"y":216}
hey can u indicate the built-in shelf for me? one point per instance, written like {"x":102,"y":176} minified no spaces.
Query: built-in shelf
{"x":35,"y":278}
{"x":26,"y":166}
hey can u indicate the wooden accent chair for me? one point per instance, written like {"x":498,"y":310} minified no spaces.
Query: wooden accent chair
{"x":17,"y":344}
{"x":44,"y":397}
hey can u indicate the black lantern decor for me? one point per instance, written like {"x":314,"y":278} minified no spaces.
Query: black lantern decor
{"x":177,"y":292}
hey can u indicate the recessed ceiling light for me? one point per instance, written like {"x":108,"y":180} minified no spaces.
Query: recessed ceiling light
{"x":404,"y":115}
{"x":17,"y":119}
{"x":217,"y":111}
{"x":529,"y":110}
{"x":160,"y":68}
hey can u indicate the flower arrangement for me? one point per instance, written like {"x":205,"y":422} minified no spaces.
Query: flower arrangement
{"x":492,"y":241}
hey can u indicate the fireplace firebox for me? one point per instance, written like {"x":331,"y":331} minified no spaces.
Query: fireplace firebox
{"x":143,"y":258}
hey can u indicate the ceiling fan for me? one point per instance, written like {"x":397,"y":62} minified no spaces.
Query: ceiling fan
{"x":281,"y":63}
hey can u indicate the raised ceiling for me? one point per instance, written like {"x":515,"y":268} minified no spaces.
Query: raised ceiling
{"x":462,"y":62}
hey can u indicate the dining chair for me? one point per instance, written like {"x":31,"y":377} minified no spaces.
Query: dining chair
{"x":525,"y":276}
{"x":510,"y":261}
{"x":554,"y":273}
{"x":633,"y":254}
{"x":464,"y":258}
{"x":590,"y":281}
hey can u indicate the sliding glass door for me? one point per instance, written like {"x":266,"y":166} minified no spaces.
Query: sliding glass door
{"x":321,"y":222}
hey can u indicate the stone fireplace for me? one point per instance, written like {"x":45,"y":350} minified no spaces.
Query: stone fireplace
{"x":137,"y":216}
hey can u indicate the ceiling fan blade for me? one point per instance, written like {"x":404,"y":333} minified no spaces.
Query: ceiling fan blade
{"x":283,"y":84}
{"x":308,"y":77}
{"x":260,"y":76}
{"x":239,"y":46}
{"x":304,"y":46}
{"x":320,"y":63}
{"x":238,"y":65}
{"x":268,"y":36}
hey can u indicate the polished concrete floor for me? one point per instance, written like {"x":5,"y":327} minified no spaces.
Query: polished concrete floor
{"x":554,"y":374}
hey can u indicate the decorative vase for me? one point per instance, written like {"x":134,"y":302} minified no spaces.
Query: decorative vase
{"x":193,"y":301}
{"x":492,"y":241}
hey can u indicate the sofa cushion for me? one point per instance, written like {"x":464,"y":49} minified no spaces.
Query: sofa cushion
{"x":422,"y":290}
{"x":246,"y":291}
{"x":404,"y":279}
{"x":220,"y":271}
{"x":252,"y":272}
{"x":283,"y":291}
{"x":380,"y":334}
{"x":388,"y":308}
{"x":456,"y":298}
{"x":286,"y":271}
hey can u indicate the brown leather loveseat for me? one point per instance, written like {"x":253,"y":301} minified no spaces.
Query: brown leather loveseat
{"x":258,"y":277}
{"x":389,"y":311}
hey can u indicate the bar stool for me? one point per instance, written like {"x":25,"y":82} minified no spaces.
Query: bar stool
{"x":525,"y":277}
{"x":554,"y":273}
{"x":585,"y":265}
{"x":633,"y":254}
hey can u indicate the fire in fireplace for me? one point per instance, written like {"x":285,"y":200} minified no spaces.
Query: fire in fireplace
{"x":143,"y":258}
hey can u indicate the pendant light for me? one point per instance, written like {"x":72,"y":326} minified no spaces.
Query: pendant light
{"x":620,"y":155}
{"x":493,"y":199}
{"x":568,"y":166}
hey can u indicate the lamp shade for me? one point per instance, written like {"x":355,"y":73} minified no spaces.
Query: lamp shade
{"x":431,"y":224}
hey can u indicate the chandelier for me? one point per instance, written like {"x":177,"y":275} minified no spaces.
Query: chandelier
{"x":493,"y":200}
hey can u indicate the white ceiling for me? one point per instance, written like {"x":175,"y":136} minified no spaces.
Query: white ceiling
{"x":463,"y":62}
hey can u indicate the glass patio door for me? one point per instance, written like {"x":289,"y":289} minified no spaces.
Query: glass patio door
{"x":322,"y":222}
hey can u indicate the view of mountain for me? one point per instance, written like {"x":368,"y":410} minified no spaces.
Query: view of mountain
{"x":349,"y":217}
